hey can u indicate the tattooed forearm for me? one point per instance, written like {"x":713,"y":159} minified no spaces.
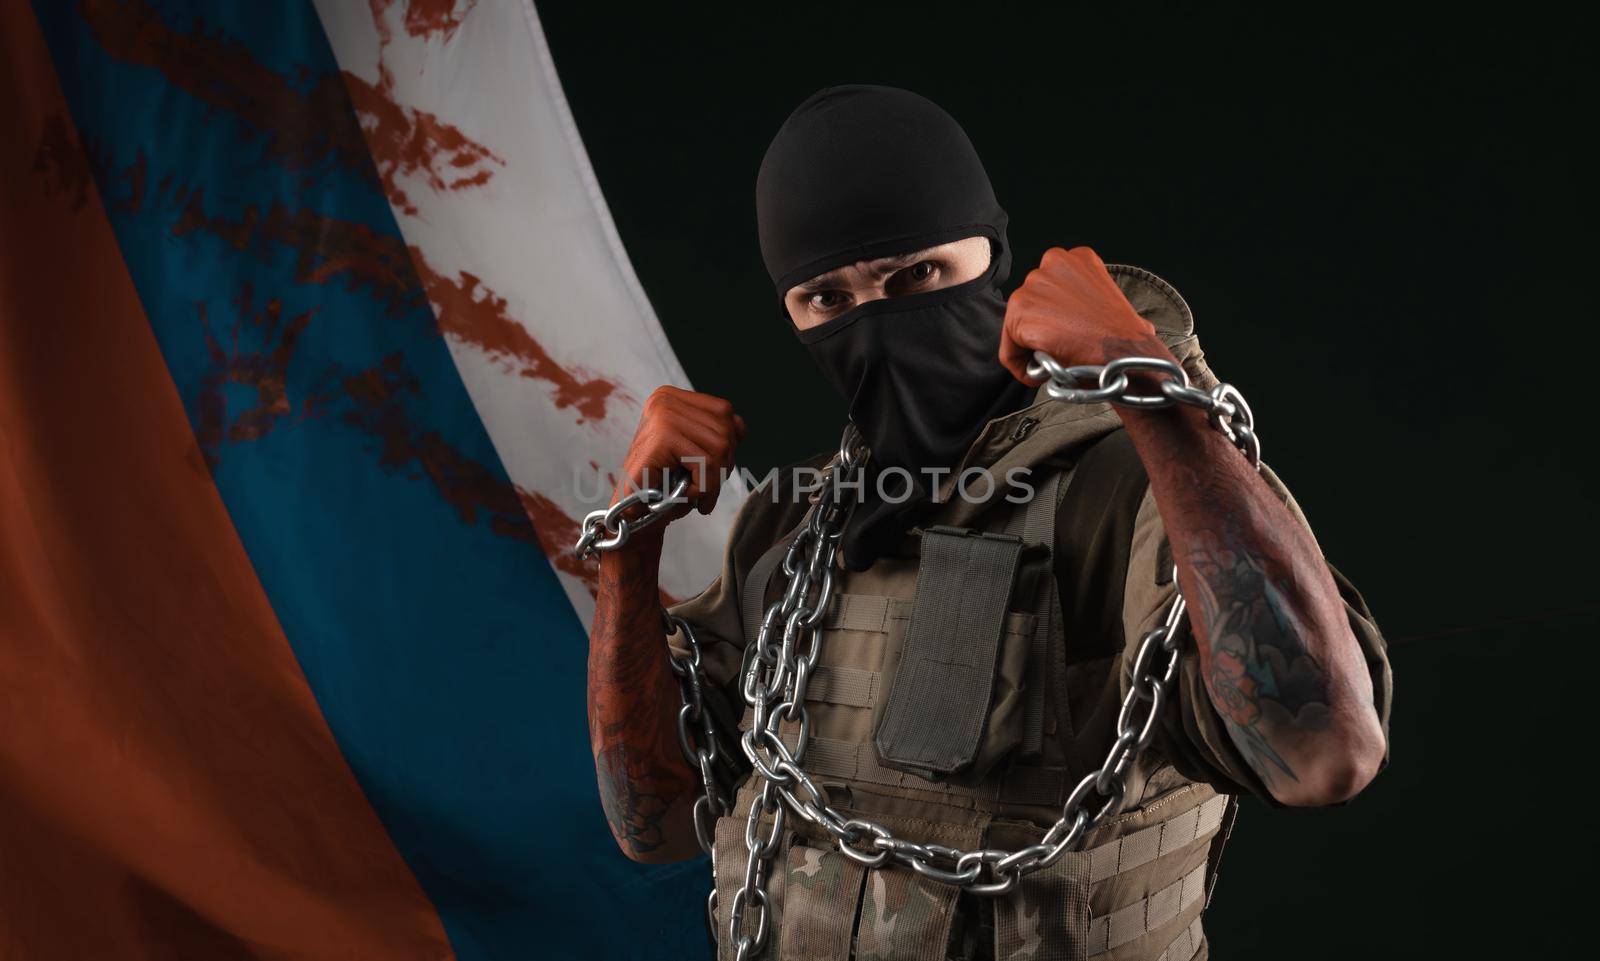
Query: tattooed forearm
{"x":646,"y":788}
{"x":1276,"y":653}
{"x":633,"y":814}
{"x":1261,"y":675}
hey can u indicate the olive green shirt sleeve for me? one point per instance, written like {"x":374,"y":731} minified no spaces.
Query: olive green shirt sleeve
{"x":1192,"y":733}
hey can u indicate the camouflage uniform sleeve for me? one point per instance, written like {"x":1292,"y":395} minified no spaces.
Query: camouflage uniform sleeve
{"x":1192,"y":734}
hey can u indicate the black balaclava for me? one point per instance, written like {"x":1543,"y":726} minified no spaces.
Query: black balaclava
{"x":859,"y":172}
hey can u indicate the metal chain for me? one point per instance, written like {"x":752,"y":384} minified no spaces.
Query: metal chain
{"x":697,"y":739}
{"x":1223,"y":404}
{"x":609,"y":520}
{"x":788,"y":647}
{"x":784,"y":655}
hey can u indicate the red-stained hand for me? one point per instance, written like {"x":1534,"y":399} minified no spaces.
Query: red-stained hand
{"x":687,"y":429}
{"x":1071,"y":309}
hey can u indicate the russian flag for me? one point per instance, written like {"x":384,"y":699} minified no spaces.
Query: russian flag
{"x":316,"y":340}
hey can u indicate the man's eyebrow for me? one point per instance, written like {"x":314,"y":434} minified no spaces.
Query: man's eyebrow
{"x":832,"y":278}
{"x":880,"y":265}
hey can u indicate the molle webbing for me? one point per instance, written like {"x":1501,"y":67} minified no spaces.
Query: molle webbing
{"x":1046,"y":919}
{"x":851,"y":761}
{"x":874,"y":614}
{"x":829,"y":759}
{"x":940,"y":695}
{"x":1025,"y":782}
{"x":849,"y":686}
{"x":1148,"y":914}
{"x":1186,"y":945}
{"x":1141,"y":847}
{"x":865,"y":612}
{"x":1063,"y":893}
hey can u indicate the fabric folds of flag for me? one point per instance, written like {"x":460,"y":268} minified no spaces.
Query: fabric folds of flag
{"x":315,"y":342}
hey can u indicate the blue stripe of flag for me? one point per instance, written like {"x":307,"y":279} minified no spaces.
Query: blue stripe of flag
{"x":443,"y":652}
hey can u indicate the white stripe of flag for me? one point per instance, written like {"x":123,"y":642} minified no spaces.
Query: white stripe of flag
{"x":552,"y":334}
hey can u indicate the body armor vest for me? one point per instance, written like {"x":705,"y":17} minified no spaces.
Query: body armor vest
{"x":939,"y":709}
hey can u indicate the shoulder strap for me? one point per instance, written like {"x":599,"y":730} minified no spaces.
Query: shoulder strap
{"x":753,"y":599}
{"x":753,"y":592}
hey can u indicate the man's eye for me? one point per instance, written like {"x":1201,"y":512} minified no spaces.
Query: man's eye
{"x":826,"y":300}
{"x":917,"y":276}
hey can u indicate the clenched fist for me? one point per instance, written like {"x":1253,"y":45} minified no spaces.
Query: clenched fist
{"x":682,"y":428}
{"x":1071,"y":309}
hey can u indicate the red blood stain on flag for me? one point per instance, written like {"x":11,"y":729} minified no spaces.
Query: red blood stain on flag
{"x":61,"y":163}
{"x":66,"y":164}
{"x":303,"y":129}
{"x":407,"y":142}
{"x":326,"y":249}
{"x":423,"y":17}
{"x":329,"y":250}
{"x":225,"y":74}
{"x":134,"y":176}
{"x":475,"y":314}
{"x":254,"y":353}
{"x":256,"y":350}
{"x":378,"y":408}
{"x":558,"y":531}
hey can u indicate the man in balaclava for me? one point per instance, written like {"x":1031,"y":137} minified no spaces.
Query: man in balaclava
{"x":931,"y":709}
{"x":867,"y":172}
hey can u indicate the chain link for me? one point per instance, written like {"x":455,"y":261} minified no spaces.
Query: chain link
{"x":1223,"y":404}
{"x":787,"y":646}
{"x":698,"y":740}
{"x":607,"y":529}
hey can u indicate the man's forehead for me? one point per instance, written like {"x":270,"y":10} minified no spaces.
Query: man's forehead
{"x":876,"y":267}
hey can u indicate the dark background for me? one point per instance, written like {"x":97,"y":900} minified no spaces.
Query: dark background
{"x":1383,"y":229}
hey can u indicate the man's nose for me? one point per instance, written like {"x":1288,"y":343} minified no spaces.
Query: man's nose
{"x":871,"y":292}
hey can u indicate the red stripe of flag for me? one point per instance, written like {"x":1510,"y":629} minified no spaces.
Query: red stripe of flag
{"x":168,"y":787}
